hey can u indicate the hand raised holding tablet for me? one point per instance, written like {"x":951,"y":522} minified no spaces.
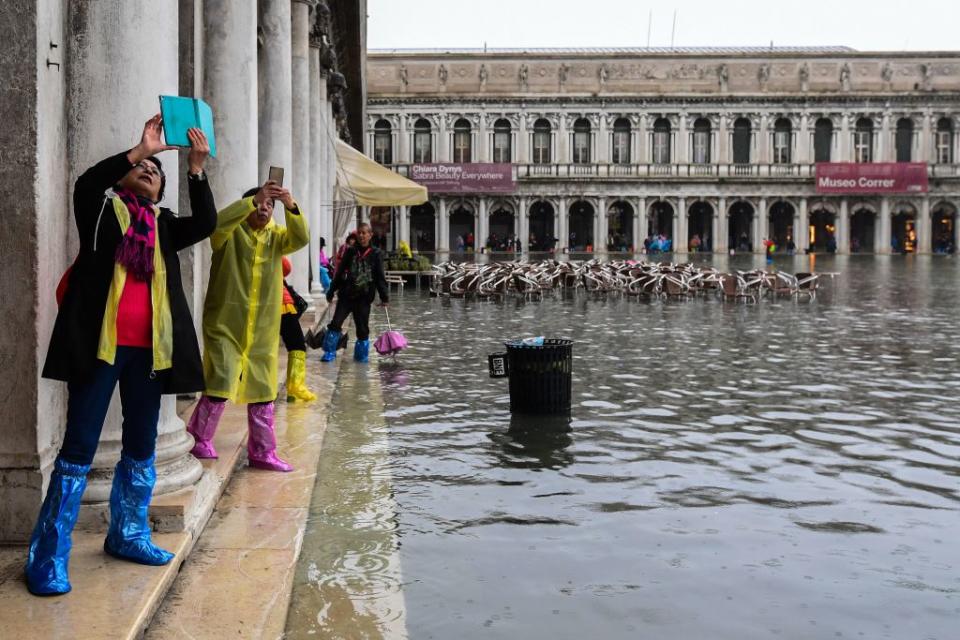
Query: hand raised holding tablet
{"x":199,"y":150}
{"x":151,"y":141}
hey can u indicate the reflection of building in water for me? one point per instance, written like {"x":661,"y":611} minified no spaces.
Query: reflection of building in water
{"x":610,"y":146}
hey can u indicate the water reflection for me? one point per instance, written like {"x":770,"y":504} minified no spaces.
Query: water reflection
{"x":535,"y":442}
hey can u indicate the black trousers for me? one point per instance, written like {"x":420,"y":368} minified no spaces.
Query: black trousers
{"x":88,"y":401}
{"x":360,"y":308}
{"x":292,"y":333}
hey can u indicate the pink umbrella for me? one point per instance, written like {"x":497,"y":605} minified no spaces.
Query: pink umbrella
{"x":390,"y":342}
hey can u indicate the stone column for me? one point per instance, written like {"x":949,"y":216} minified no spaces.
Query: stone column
{"x":764,"y":135}
{"x":924,"y":227}
{"x":523,"y":224}
{"x":443,"y":232}
{"x":681,"y":239}
{"x":300,"y":107}
{"x":600,"y":235}
{"x":443,"y":141}
{"x":603,"y":142}
{"x":926,"y":139}
{"x":102,"y":123}
{"x":642,"y":155}
{"x":803,"y":143}
{"x":886,"y":152}
{"x":883,"y":228}
{"x":762,"y":226}
{"x":562,"y":226}
{"x":843,"y":228}
{"x":404,"y":219}
{"x":481,"y":225}
{"x":403,"y":141}
{"x":714,"y":229}
{"x":316,"y":209}
{"x":681,"y":154}
{"x":483,"y":154}
{"x":639,"y":223}
{"x":720,"y":238}
{"x":846,"y":154}
{"x":803,"y":228}
{"x":563,"y":144}
{"x":523,"y":144}
{"x":722,"y":153}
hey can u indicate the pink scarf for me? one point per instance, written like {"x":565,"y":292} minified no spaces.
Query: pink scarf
{"x":135,"y":251}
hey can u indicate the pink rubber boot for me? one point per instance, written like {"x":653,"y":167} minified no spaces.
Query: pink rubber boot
{"x":262,"y":443}
{"x":203,"y":424}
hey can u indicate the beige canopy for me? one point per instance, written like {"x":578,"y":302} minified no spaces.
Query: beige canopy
{"x":362,"y":181}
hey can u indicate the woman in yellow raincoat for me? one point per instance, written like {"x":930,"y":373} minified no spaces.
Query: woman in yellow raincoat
{"x":241,"y":320}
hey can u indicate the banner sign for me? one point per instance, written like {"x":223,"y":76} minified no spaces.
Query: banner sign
{"x":464,"y":178}
{"x":876,"y":177}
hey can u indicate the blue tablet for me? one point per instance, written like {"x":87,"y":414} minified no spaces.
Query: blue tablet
{"x":180,"y":114}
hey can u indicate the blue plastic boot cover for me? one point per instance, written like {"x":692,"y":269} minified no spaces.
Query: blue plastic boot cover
{"x":361,"y":350}
{"x":331,"y":340}
{"x":129,"y":535}
{"x":49,"y":551}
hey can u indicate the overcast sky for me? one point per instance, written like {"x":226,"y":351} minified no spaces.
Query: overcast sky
{"x":886,"y":25}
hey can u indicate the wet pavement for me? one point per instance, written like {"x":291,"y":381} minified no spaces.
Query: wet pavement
{"x":788,"y":469}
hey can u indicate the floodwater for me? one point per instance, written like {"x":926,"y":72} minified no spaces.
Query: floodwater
{"x":785,"y":470}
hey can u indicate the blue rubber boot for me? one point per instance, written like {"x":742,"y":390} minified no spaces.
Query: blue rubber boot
{"x":331,"y":340}
{"x":361,"y":350}
{"x":49,"y":551}
{"x":129,"y":535}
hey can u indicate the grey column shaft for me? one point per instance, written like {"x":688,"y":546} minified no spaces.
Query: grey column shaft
{"x":109,"y":103}
{"x":275,"y":75}
{"x":300,"y":104}
{"x":317,"y":170}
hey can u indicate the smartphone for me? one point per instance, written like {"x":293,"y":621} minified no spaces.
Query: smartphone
{"x":276,"y":174}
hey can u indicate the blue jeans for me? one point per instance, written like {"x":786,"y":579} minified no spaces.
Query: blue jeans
{"x":88,"y":402}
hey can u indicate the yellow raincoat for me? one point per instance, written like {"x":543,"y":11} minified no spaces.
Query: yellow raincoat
{"x":241,"y":313}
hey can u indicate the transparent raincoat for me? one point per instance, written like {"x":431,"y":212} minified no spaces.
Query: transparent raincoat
{"x":241,"y":313}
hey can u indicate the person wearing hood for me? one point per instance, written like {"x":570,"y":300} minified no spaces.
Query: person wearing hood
{"x":241,"y":320}
{"x":123,"y":320}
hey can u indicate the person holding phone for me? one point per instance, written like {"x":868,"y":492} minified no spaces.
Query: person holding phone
{"x":358,"y":279}
{"x":241,"y":320}
{"x":123,"y":319}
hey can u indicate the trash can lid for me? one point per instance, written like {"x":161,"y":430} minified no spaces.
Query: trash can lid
{"x":547,"y":343}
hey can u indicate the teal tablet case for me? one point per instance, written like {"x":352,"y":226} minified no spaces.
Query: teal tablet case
{"x":180,"y":114}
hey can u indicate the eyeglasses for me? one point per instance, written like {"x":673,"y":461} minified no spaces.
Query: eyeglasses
{"x":149,"y":169}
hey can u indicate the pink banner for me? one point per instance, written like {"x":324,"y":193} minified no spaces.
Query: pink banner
{"x":464,"y":178}
{"x":876,"y":177}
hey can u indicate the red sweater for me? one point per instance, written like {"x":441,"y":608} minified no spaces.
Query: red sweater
{"x":135,"y":315}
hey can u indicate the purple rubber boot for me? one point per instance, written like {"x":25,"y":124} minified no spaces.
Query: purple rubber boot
{"x":203,"y":424}
{"x":262,"y":443}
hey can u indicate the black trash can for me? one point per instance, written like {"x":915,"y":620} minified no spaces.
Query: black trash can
{"x":541,"y":376}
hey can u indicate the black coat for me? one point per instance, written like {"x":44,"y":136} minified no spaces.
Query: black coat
{"x":72,"y":355}
{"x":340,"y":278}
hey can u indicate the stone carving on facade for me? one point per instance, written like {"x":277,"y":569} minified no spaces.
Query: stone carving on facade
{"x":845,"y":77}
{"x":603,"y":75}
{"x":763,"y":76}
{"x":523,"y":76}
{"x":926,"y":77}
{"x":404,"y":78}
{"x":723,"y":77}
{"x":686,"y":72}
{"x":483,"y":76}
{"x":633,"y":71}
{"x":804,"y":73}
{"x":886,"y":74}
{"x":562,"y":74}
{"x":442,"y":75}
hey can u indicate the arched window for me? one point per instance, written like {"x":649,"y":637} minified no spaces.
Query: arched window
{"x":822,"y":140}
{"x":422,"y":141}
{"x":581,"y":141}
{"x":742,"y":135}
{"x":782,"y":141}
{"x":621,"y":141}
{"x":701,"y":141}
{"x":661,"y":141}
{"x":904,"y":141}
{"x":541,"y":142}
{"x":501,"y":141}
{"x":382,"y":142}
{"x":944,"y":141}
{"x":462,"y":139}
{"x":863,"y":141}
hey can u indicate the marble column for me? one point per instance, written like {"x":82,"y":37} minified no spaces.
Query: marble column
{"x":720,"y":238}
{"x":404,"y":219}
{"x":681,"y":154}
{"x":603,"y":142}
{"x":403,"y":141}
{"x":563,"y":226}
{"x":301,"y":166}
{"x":275,"y":67}
{"x":802,"y":231}
{"x":600,"y":235}
{"x":714,"y":230}
{"x":523,"y":224}
{"x":443,"y":141}
{"x":843,"y":227}
{"x":681,"y":238}
{"x":483,"y":153}
{"x":926,"y":139}
{"x":886,"y":152}
{"x":563,"y":145}
{"x":762,"y":227}
{"x":102,"y":123}
{"x":639,"y":223}
{"x":845,"y":151}
{"x":803,"y":144}
{"x":642,"y":156}
{"x":884,"y":228}
{"x":481,"y":225}
{"x":924,"y":228}
{"x":523,"y":144}
{"x":315,"y":209}
{"x":443,"y":231}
